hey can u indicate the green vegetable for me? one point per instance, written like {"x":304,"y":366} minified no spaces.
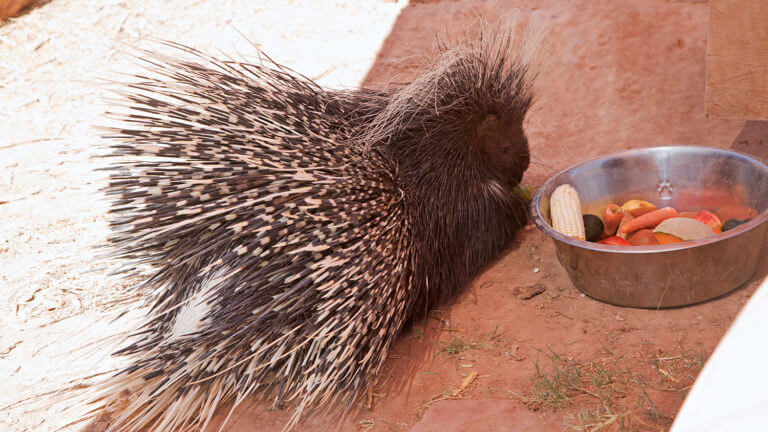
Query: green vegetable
{"x":593,"y":226}
{"x":733,"y":223}
{"x":524,"y":191}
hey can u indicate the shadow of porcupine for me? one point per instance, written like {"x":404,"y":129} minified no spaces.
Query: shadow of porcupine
{"x":292,"y":231}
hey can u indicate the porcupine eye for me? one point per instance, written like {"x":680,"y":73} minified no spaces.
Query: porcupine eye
{"x":504,"y":147}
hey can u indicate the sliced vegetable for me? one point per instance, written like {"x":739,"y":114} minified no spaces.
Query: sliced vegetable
{"x":615,"y":241}
{"x":637,"y":207}
{"x":733,"y":223}
{"x":650,"y":219}
{"x":593,"y":227}
{"x":709,"y":219}
{"x":612,"y":216}
{"x":643,"y":237}
{"x":664,"y":238}
{"x":627,"y":217}
{"x":684,"y":228}
{"x":565,"y":209}
{"x":735,"y":212}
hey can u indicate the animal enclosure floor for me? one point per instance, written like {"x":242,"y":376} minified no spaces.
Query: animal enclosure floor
{"x":521,"y":350}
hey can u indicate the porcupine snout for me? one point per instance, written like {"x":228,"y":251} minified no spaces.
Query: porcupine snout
{"x":506,"y":145}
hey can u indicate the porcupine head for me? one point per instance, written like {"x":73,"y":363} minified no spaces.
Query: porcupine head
{"x":292,"y":231}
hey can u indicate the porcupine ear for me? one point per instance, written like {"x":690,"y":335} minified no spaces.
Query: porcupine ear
{"x":487,"y":135}
{"x":487,"y":132}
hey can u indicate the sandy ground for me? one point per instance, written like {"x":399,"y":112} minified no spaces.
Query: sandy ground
{"x":620,"y":74}
{"x":53,"y":63}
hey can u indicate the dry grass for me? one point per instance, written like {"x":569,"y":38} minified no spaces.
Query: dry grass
{"x":455,"y":345}
{"x":53,"y":63}
{"x":608,"y":394}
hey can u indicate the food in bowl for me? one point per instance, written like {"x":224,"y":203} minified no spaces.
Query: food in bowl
{"x":639,"y":222}
{"x":686,"y":178}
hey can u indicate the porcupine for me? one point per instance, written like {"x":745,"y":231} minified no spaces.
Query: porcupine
{"x":292,"y":231}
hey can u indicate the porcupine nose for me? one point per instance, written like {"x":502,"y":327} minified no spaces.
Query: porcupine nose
{"x":521,"y":161}
{"x":526,"y":155}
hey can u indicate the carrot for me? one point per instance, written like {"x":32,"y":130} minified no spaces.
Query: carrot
{"x":649,"y":220}
{"x":688,"y":214}
{"x":611,"y":217}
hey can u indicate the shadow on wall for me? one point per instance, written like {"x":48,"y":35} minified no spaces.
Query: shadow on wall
{"x":753,"y":140}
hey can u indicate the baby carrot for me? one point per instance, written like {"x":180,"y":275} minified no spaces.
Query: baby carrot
{"x":611,"y":217}
{"x":649,"y":220}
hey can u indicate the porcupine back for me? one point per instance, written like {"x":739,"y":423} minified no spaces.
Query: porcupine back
{"x":292,"y":231}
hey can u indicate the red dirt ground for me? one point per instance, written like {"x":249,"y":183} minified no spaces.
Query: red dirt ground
{"x":621,"y":74}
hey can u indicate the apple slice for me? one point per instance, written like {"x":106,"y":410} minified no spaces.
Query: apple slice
{"x":615,"y":241}
{"x":637,"y":207}
{"x":710,"y":220}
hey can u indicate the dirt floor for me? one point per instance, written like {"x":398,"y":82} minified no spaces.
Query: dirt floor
{"x":521,"y":350}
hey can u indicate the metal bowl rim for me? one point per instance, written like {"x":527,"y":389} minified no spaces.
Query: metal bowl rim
{"x":541,"y":223}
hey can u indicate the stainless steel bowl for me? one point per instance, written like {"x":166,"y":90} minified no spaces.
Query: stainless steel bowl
{"x":665,"y":275}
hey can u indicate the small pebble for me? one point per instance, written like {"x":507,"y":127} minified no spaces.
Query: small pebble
{"x":528,"y":291}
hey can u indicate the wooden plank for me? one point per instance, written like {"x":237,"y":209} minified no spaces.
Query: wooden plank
{"x":737,"y":60}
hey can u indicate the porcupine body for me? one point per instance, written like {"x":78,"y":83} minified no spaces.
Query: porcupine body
{"x":291,"y":231}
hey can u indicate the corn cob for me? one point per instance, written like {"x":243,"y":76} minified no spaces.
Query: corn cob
{"x":565,"y":208}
